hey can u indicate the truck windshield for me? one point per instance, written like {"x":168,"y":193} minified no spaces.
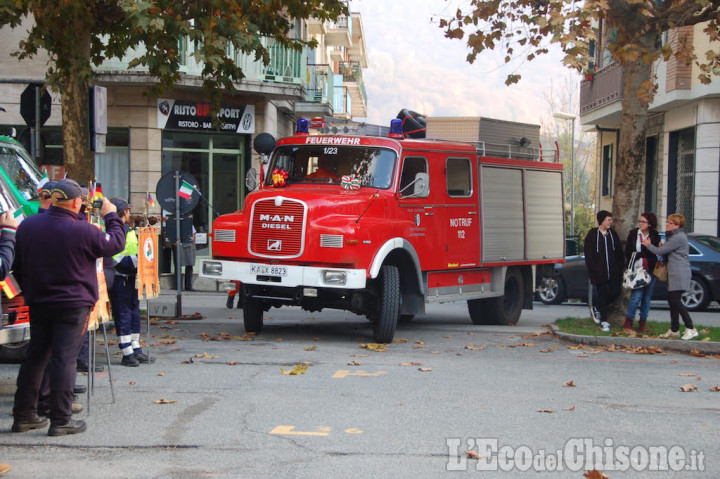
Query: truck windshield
{"x":372,"y":167}
{"x":21,"y":170}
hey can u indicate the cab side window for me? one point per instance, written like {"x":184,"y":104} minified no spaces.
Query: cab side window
{"x":458,"y":177}
{"x":415,"y":171}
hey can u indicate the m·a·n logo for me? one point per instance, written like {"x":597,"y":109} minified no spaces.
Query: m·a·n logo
{"x":274,"y":245}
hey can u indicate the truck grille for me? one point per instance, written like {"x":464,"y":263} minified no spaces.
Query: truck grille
{"x":278,"y":228}
{"x":226,"y":236}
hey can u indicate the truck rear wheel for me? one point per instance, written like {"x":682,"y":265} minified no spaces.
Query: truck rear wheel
{"x":253,"y":315}
{"x":505,"y":309}
{"x":14,"y":352}
{"x":386,"y":322}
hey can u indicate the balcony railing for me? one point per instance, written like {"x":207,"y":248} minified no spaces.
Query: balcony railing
{"x":352,"y":73}
{"x":321,"y":87}
{"x":604,"y":88}
{"x":342,"y":103}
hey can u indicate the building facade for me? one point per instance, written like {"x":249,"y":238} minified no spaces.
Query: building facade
{"x":151,"y":137}
{"x":682,"y":159}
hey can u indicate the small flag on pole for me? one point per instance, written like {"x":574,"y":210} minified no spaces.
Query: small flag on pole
{"x":186,"y":190}
{"x":42,"y":181}
{"x":10,"y":287}
{"x":149,"y":200}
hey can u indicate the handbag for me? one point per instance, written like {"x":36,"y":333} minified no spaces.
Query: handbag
{"x":636,"y":276}
{"x":660,"y":271}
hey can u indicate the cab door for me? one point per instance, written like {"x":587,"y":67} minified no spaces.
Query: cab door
{"x":460,"y":213}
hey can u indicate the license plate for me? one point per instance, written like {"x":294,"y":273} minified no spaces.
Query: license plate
{"x":268,"y":270}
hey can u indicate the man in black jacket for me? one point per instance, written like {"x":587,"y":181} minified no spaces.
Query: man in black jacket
{"x":604,"y":258}
{"x":55,"y":266}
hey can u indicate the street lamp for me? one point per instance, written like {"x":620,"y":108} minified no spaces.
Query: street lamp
{"x":567,"y":116}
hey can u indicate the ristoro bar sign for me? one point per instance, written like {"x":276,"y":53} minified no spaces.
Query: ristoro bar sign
{"x":195,"y":116}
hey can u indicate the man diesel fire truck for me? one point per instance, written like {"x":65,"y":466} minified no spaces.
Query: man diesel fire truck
{"x":382,"y":226}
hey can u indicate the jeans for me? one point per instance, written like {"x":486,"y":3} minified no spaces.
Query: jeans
{"x":641,"y":298}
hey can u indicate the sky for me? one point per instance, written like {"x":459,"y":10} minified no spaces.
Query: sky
{"x":412,"y":65}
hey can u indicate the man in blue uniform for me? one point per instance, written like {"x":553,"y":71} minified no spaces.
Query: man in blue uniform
{"x":55,"y":266}
{"x":124,"y":295}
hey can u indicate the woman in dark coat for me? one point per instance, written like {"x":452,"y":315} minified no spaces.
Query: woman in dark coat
{"x":640,"y":298}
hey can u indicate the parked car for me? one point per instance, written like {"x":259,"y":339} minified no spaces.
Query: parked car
{"x":570,"y":280}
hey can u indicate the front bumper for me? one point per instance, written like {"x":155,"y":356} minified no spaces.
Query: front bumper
{"x":291,"y":276}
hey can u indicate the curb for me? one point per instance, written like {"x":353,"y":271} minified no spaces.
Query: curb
{"x":677,"y":345}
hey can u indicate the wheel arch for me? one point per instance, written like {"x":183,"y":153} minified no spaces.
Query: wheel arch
{"x":399,"y":252}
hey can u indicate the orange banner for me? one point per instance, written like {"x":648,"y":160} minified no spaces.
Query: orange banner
{"x":148,"y":278}
{"x":101,"y":312}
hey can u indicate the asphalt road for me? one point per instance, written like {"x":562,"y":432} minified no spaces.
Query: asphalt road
{"x":445,"y":386}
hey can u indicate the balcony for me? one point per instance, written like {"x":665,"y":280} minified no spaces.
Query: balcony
{"x":604,"y":89}
{"x":320,"y":92}
{"x":342,"y":103}
{"x":353,"y":80}
{"x":339,"y":33}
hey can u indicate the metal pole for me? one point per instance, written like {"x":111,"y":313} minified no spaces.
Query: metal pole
{"x":38,"y":92}
{"x":178,"y":278}
{"x":572,"y":180}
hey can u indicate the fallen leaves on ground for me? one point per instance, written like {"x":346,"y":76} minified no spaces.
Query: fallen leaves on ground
{"x":233,"y":363}
{"x":132,"y":383}
{"x":354,"y":363}
{"x":167,"y":341}
{"x":569,"y":384}
{"x":687,"y":374}
{"x":380,"y":348}
{"x":595,"y":474}
{"x":715,"y":388}
{"x":297,"y":370}
{"x":688,"y":388}
{"x":535,"y":335}
{"x":522,"y":345}
{"x":311,"y":348}
{"x":189,"y":361}
{"x":205,"y":355}
{"x":550,"y":349}
{"x":161,"y":374}
{"x":410,"y":364}
{"x":400,"y":340}
{"x":697,"y":353}
{"x":549,"y":411}
{"x":475,"y":348}
{"x":359,"y":356}
{"x":424,"y":369}
{"x":571,"y":408}
{"x":164,"y":401}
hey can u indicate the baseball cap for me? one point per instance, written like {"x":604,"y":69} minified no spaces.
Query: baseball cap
{"x":47,"y":188}
{"x":67,"y":189}
{"x":120,"y":204}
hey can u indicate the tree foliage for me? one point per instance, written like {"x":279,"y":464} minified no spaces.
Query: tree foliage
{"x":80,"y":34}
{"x":527,"y":28}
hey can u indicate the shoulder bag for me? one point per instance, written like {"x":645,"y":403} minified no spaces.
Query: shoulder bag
{"x":636,"y":276}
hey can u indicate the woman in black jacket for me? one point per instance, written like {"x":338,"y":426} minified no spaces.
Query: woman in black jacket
{"x":640,"y":298}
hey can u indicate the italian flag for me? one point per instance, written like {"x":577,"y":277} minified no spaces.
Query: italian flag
{"x":186,"y":190}
{"x":42,"y":181}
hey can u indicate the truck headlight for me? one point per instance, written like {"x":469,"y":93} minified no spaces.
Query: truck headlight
{"x":212,"y":268}
{"x":334,"y":277}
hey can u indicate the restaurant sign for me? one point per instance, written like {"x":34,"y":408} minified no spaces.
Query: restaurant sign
{"x":195,"y":116}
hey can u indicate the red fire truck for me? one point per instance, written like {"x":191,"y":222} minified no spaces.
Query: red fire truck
{"x":382,"y":226}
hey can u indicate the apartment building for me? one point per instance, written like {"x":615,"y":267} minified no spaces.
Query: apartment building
{"x":150,"y":137}
{"x":682,"y":161}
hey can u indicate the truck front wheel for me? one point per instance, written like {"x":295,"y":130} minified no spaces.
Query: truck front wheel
{"x":389,"y":308}
{"x":253,"y":315}
{"x":505,"y":309}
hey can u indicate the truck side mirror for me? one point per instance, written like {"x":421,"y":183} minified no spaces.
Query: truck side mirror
{"x":421,"y":187}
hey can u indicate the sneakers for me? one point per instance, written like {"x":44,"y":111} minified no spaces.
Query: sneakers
{"x":605,"y":326}
{"x":670,"y":334}
{"x":596,"y":315}
{"x":72,"y":427}
{"x":690,"y":333}
{"x":24,"y":426}
{"x":130,"y":361}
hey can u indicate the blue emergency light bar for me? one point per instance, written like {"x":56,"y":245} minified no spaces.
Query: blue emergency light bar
{"x":396,"y":128}
{"x":303,"y":127}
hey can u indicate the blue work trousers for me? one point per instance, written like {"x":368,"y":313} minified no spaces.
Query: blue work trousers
{"x":126,"y":312}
